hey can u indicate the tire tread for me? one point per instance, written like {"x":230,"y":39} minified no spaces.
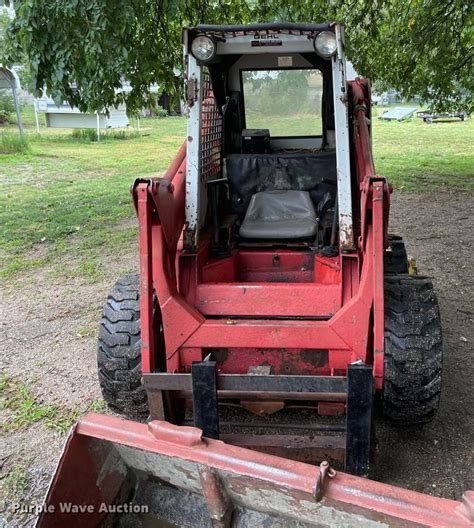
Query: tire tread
{"x":396,"y":258}
{"x":413,"y":350}
{"x":119,"y":350}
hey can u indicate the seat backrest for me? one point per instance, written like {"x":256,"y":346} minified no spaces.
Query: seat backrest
{"x":249,"y":174}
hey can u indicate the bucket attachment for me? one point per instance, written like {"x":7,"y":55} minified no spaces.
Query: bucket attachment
{"x":115,"y":472}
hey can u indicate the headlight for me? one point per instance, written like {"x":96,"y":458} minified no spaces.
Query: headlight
{"x":203,"y":48}
{"x":325,"y":44}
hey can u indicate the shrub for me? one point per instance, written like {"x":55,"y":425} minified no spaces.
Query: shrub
{"x":161,"y":112}
{"x":85,"y":134}
{"x":153,"y":109}
{"x":6,"y":106}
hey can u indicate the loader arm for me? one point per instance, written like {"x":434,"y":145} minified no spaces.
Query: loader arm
{"x":160,"y":208}
{"x":375,"y":197}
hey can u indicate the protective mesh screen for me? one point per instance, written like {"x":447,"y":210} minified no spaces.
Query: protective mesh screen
{"x":211,"y":132}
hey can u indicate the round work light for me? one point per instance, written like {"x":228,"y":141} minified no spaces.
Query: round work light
{"x":325,"y":44}
{"x":203,"y":48}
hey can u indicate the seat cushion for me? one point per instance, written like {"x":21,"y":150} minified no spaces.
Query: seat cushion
{"x":279,"y":215}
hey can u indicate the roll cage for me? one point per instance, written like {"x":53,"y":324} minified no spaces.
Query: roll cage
{"x":210,"y":86}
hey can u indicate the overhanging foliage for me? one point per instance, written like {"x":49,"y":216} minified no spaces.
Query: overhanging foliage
{"x":81,"y":50}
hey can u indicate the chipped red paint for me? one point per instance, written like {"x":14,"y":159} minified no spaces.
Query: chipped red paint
{"x":102,"y":449}
{"x":282,"y":360}
{"x":344,"y":333}
{"x":258,"y":299}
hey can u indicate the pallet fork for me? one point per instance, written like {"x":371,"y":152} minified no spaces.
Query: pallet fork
{"x":351,"y":451}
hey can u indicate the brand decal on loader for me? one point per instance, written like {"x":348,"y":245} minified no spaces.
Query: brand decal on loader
{"x":266,"y":40}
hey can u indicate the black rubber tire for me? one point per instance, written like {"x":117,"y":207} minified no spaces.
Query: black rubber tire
{"x":413,"y":351}
{"x":395,"y":257}
{"x":119,"y":350}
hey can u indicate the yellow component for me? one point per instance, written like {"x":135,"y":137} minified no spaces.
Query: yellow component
{"x":412,"y":269}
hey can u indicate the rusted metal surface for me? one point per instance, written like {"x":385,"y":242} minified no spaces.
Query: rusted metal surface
{"x":264,"y":407}
{"x":191,"y":91}
{"x":156,"y":405}
{"x":325,"y":472}
{"x":331,"y":408}
{"x":303,"y":361}
{"x":318,"y":427}
{"x":272,"y":395}
{"x":310,"y":449}
{"x":219,"y":505}
{"x":106,"y":458}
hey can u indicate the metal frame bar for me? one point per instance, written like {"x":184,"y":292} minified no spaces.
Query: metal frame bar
{"x":249,"y":382}
{"x":344,"y":186}
{"x":148,"y":348}
{"x":359,"y":418}
{"x":379,"y":191}
{"x":267,"y":26}
{"x":193,"y":156}
{"x":205,"y":404}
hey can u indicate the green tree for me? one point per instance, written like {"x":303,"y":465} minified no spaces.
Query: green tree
{"x":4,"y":22}
{"x":80,"y":50}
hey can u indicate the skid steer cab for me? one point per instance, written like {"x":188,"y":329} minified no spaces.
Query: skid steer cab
{"x":272,"y":308}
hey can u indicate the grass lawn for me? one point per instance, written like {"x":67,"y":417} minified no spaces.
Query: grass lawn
{"x":65,"y":194}
{"x":68,"y":195}
{"x":418,"y":156}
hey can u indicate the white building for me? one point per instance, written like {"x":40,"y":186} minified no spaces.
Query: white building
{"x":65,"y":116}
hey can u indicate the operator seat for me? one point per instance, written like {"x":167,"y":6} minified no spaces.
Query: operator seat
{"x":280,"y":215}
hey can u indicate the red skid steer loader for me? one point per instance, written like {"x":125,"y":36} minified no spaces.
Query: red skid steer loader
{"x":272,"y":315}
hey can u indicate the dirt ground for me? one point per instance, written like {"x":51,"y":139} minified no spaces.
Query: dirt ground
{"x":48,"y":340}
{"x":438,"y":458}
